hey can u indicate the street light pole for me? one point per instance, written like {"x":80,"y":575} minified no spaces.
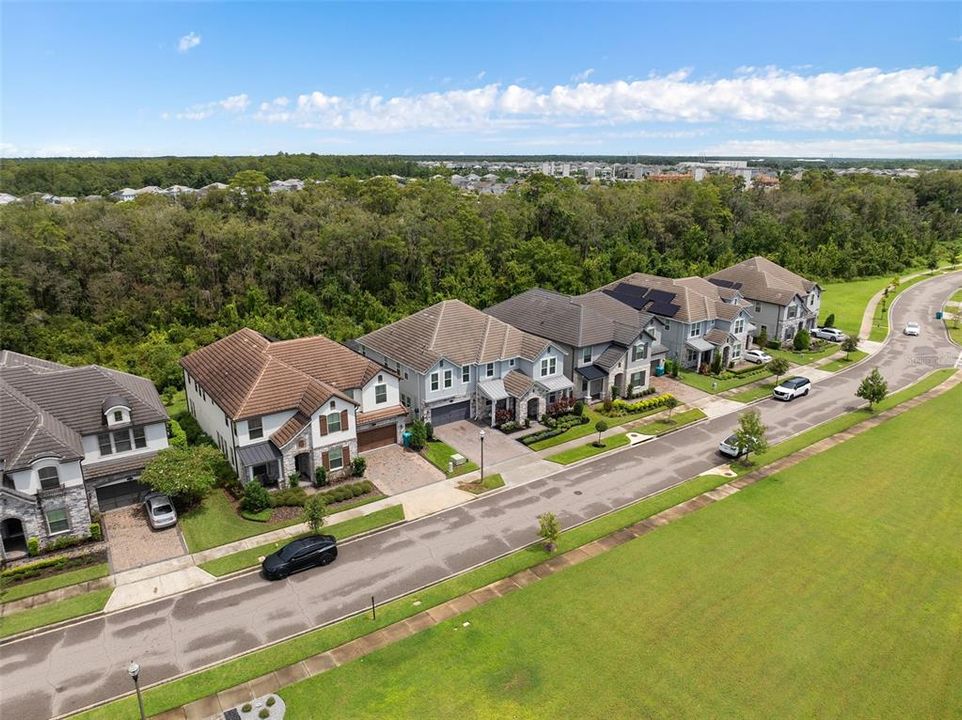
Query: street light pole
{"x":134,"y":671}
{"x":482,"y":455}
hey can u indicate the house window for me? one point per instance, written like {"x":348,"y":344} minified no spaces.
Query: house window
{"x":448,"y":379}
{"x":140,"y":438}
{"x":103,"y":439}
{"x":639,"y":351}
{"x":737,"y":350}
{"x":584,"y":385}
{"x":758,"y":306}
{"x":259,"y":472}
{"x":380,"y":394}
{"x":255,"y":428}
{"x":511,"y":362}
{"x":118,"y":415}
{"x":691,"y":356}
{"x":334,"y":422}
{"x":739,"y":326}
{"x":548,"y":366}
{"x":121,"y":441}
{"x":638,"y":378}
{"x":792,"y":312}
{"x":336,"y":459}
{"x":695,"y":330}
{"x":765,"y":329}
{"x":435,"y":381}
{"x":49,"y":478}
{"x":489,"y":370}
{"x":586,"y":355}
{"x":466,"y":374}
{"x":57,"y":520}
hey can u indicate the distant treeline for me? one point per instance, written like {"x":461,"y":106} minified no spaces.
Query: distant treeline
{"x":78,"y":177}
{"x":137,"y":285}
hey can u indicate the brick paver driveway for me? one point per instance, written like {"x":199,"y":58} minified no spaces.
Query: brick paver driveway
{"x":464,"y":436}
{"x":394,"y":469}
{"x":131,"y":543}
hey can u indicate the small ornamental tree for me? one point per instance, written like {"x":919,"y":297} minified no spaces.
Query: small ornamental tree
{"x":548,"y":530}
{"x":751,"y":434}
{"x":600,"y":427}
{"x":830,"y":320}
{"x":670,"y":402}
{"x":256,"y":498}
{"x":802,"y":340}
{"x":419,"y":434}
{"x":315,"y":510}
{"x":762,"y":338}
{"x":873,"y":388}
{"x":778,"y":366}
{"x":850,"y":345}
{"x":185,"y":474}
{"x":716,"y":364}
{"x":359,"y":465}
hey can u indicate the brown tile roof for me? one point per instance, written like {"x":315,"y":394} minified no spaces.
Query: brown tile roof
{"x":248,"y":375}
{"x":716,"y":336}
{"x":517,"y":383}
{"x":696,"y":298}
{"x":382,"y":414}
{"x":289,"y":430}
{"x":759,"y":278}
{"x":455,"y":331}
{"x":120,"y":466}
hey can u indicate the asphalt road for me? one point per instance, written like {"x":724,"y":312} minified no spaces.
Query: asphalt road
{"x":69,"y":668}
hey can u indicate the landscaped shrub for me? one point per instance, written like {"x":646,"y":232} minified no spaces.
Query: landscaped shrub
{"x":96,"y":533}
{"x":624,"y":407}
{"x":320,"y":477}
{"x":264,"y":713}
{"x":62,"y":543}
{"x":830,"y":320}
{"x":560,"y":426}
{"x":419,"y":435}
{"x":429,"y":431}
{"x":193,"y":430}
{"x":561,"y":407}
{"x":256,"y":497}
{"x":773,"y":345}
{"x":33,"y":546}
{"x":347,"y":491}
{"x":509,"y":427}
{"x":21,"y":573}
{"x":270,"y":701}
{"x":802,"y":340}
{"x":246,"y":707}
{"x":748,"y":370}
{"x":291,"y":497}
{"x":359,"y":466}
{"x":503,"y":416}
{"x":175,"y":434}
{"x":579,"y":408}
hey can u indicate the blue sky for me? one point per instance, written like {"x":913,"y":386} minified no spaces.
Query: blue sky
{"x":816,"y":79}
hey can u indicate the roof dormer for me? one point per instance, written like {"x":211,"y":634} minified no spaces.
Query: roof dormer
{"x":116,"y":411}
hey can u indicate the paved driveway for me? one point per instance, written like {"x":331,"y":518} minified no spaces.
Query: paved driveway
{"x":464,"y":437}
{"x":131,"y":543}
{"x":394,"y":469}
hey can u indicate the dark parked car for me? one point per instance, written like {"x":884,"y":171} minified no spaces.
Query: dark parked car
{"x":300,"y":555}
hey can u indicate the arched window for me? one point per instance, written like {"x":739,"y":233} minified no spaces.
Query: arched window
{"x":49,"y":478}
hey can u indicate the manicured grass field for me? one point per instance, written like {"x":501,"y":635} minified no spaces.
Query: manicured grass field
{"x":844,"y":362}
{"x":490,"y":482}
{"x":54,"y":612}
{"x":215,"y":523}
{"x":574,"y":433}
{"x":848,"y":300}
{"x":53,"y":582}
{"x":954,"y":332}
{"x":747,"y":396}
{"x":439,"y":454}
{"x":833,"y":589}
{"x":804,"y":358}
{"x":342,"y":530}
{"x":678,"y":419}
{"x":711,"y":384}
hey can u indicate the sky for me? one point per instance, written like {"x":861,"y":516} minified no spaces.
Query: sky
{"x":747,"y":79}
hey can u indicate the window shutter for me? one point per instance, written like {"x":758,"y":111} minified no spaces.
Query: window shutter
{"x":344,"y":420}
{"x":322,"y":423}
{"x":326,"y":460}
{"x":346,"y":454}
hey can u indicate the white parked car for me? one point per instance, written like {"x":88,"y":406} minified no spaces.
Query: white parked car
{"x":829,"y":333}
{"x":912,"y":328}
{"x":792,"y":388}
{"x":729,"y":446}
{"x":757,"y":356}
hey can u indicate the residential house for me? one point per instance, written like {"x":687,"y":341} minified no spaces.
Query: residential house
{"x":73,"y":442}
{"x":610,"y":349}
{"x":456,"y":363}
{"x":276,"y":408}
{"x":698,"y":319}
{"x":783,"y":302}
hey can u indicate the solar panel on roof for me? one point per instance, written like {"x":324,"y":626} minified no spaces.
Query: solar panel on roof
{"x":630,"y":296}
{"x":664,"y":309}
{"x":661,"y":295}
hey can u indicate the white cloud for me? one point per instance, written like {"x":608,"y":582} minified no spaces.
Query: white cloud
{"x":480,"y":75}
{"x":191,"y":40}
{"x":202,"y":111}
{"x":913,"y":100}
{"x":859,"y":147}
{"x":52,"y":150}
{"x":583,"y":75}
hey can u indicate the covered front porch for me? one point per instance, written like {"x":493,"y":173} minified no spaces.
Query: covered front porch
{"x":511,"y":398}
{"x":262,"y":462}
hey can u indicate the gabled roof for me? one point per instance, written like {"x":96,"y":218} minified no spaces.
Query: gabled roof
{"x":689,"y":300}
{"x":573,"y":321}
{"x":453,"y":331}
{"x":47,"y":407}
{"x":249,"y":375}
{"x":758,"y":278}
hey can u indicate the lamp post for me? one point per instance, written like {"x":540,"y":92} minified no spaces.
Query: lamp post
{"x":134,"y":671}
{"x":482,"y":455}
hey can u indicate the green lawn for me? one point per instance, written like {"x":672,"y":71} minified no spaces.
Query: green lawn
{"x":490,"y":482}
{"x":342,"y":530}
{"x":678,"y":419}
{"x":833,"y":589}
{"x":578,"y":431}
{"x":747,"y":396}
{"x":848,"y":300}
{"x":53,"y":582}
{"x":954,"y":332}
{"x":439,"y":454}
{"x":178,"y":403}
{"x":54,"y":612}
{"x":216,"y":523}
{"x":844,"y":362}
{"x":957,"y":297}
{"x":804,"y":358}
{"x":710,"y":384}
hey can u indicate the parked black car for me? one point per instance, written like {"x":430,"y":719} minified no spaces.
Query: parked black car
{"x":300,"y":555}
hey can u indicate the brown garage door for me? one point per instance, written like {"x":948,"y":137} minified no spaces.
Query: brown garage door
{"x":379,"y":437}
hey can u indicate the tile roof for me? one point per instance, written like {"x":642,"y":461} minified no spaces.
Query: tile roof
{"x":717,"y":337}
{"x":47,"y":407}
{"x":382,"y":414}
{"x":120,"y":466}
{"x":610,"y":357}
{"x":454,"y":331}
{"x":248,"y":375}
{"x":758,"y":278}
{"x":517,"y":383}
{"x":696,"y":298}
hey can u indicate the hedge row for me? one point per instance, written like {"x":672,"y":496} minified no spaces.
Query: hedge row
{"x":25,"y":572}
{"x":641,"y":405}
{"x":564,"y":424}
{"x":296,"y":497}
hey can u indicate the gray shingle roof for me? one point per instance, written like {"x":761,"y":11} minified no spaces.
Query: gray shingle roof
{"x":696,"y":298}
{"x":758,"y":278}
{"x":454,"y":331}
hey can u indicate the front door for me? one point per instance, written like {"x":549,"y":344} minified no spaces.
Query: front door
{"x":11,"y":531}
{"x":302,"y":463}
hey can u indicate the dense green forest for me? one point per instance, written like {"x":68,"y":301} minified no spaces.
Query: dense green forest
{"x":137,"y":285}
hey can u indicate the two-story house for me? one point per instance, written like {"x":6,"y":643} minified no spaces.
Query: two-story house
{"x":456,"y":363}
{"x":73,"y":442}
{"x":698,"y":319}
{"x":610,"y":348}
{"x":783,"y":302}
{"x":276,"y":408}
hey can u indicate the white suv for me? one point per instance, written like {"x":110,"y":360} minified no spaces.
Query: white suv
{"x":829,"y":333}
{"x":792,"y":388}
